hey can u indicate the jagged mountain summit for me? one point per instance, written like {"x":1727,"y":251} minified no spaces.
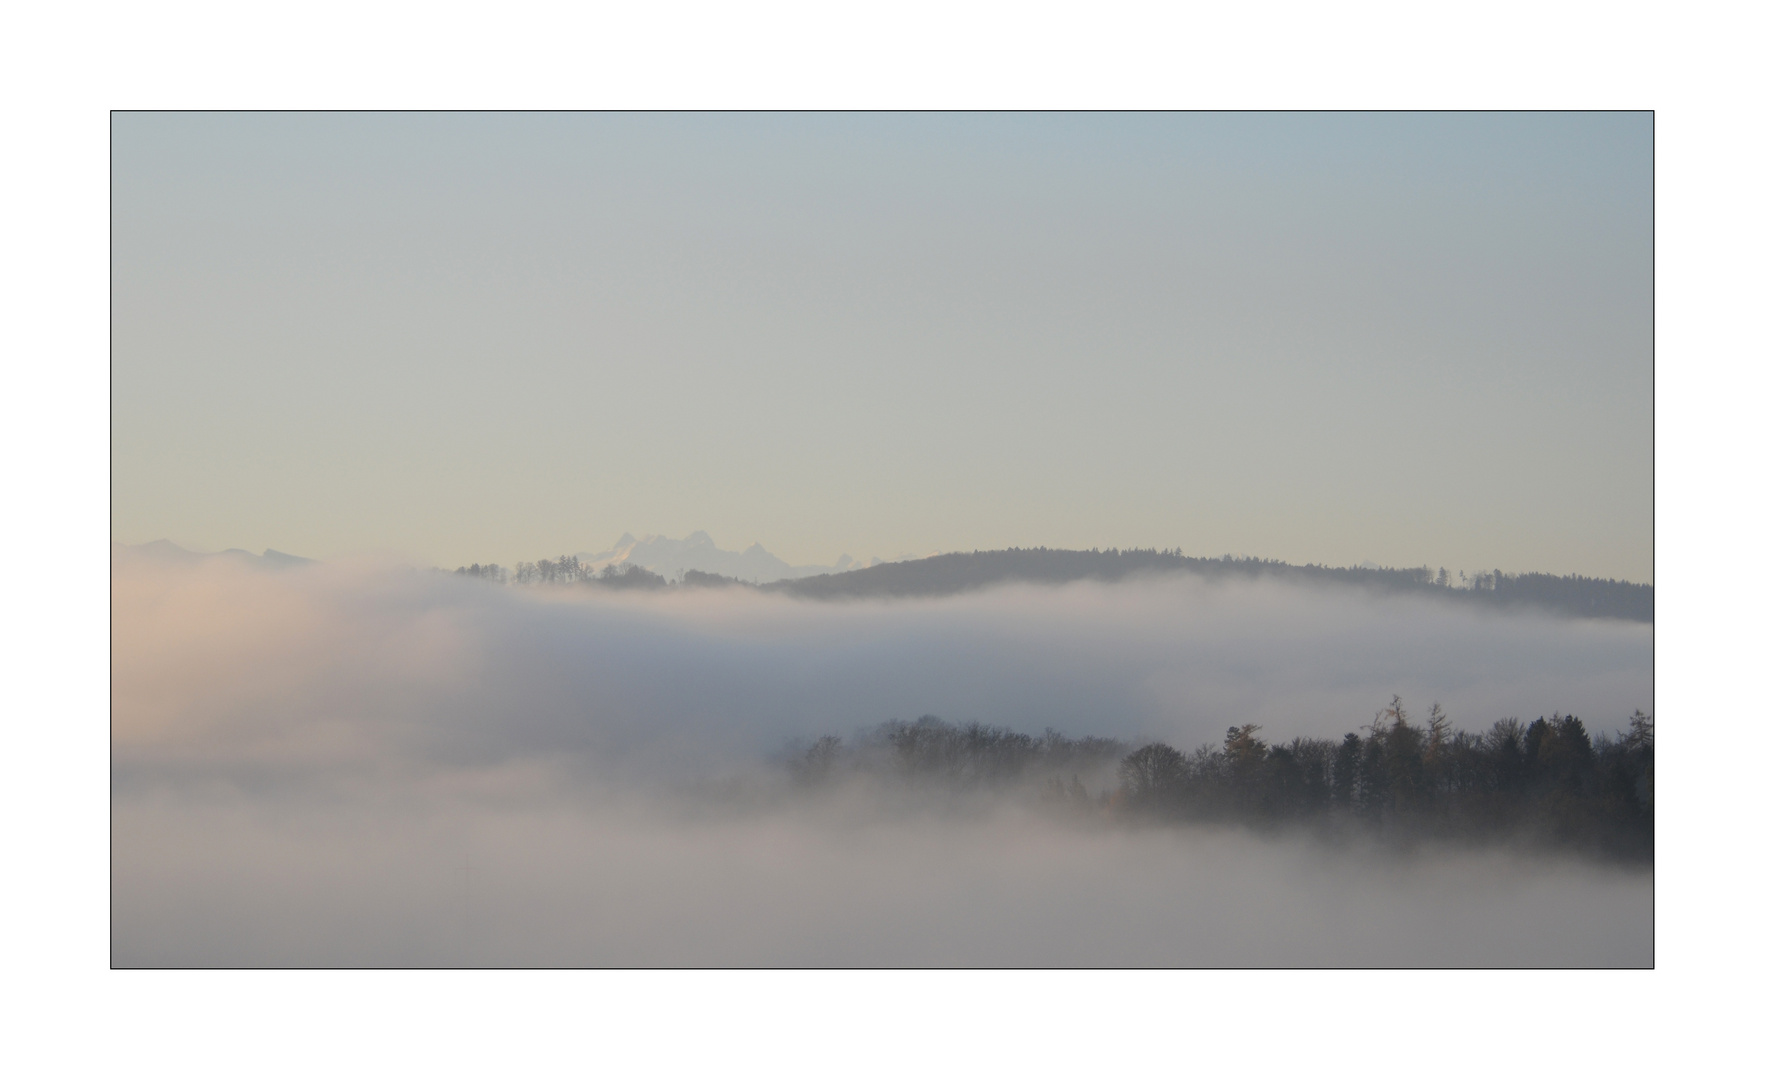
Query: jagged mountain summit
{"x":673,"y":558}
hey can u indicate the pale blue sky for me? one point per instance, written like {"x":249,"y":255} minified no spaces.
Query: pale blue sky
{"x":1403,"y":338}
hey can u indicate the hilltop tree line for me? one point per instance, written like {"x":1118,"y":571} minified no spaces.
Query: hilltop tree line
{"x":1544,"y":782}
{"x":942,"y":575}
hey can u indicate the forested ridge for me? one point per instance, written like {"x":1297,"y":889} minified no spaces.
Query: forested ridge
{"x":945,"y":575}
{"x":961,"y":571}
{"x":1544,"y":783}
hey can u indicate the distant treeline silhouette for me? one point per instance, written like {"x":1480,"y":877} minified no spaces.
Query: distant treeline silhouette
{"x":957,"y":756}
{"x":566,"y":570}
{"x":1545,"y":782}
{"x":944,"y":575}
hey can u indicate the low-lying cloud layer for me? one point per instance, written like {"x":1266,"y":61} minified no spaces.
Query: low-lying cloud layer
{"x":363,"y":764}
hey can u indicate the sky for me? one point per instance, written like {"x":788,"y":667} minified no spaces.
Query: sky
{"x":1408,"y":339}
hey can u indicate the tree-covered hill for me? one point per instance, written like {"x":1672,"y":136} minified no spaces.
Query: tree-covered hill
{"x":943,"y":575}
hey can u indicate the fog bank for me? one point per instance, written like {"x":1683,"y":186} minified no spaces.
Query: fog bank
{"x":374,"y":765}
{"x":328,"y":664}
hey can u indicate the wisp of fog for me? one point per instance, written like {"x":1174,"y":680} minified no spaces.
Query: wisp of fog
{"x":366,"y":764}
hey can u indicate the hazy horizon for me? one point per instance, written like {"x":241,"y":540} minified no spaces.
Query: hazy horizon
{"x":832,"y":566}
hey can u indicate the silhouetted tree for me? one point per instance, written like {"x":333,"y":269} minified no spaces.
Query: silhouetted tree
{"x":818,"y":762}
{"x":1150,"y":776}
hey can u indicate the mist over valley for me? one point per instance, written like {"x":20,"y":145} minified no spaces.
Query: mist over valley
{"x":360,"y":762}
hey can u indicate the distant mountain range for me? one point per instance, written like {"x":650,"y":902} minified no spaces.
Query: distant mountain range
{"x":165,"y":550}
{"x":659,"y":554}
{"x":673,"y":558}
